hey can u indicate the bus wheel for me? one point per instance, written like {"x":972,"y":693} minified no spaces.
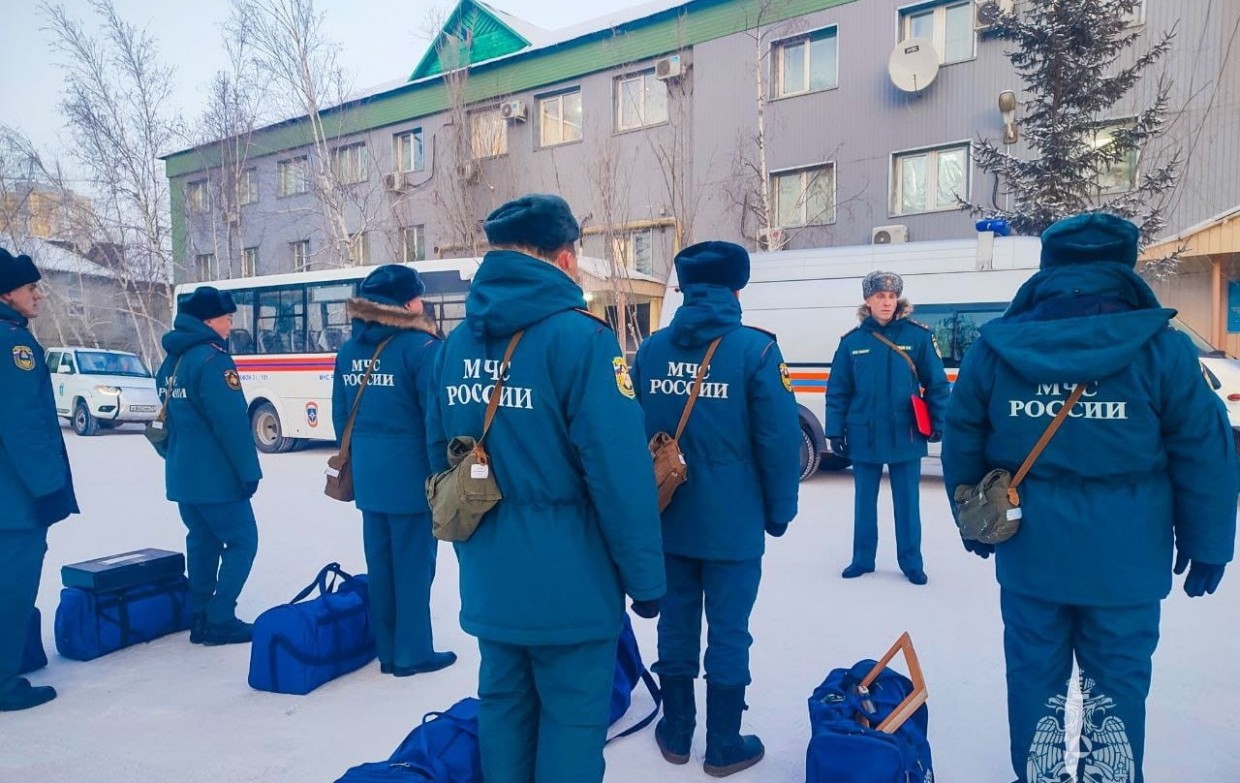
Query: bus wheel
{"x":810,"y":457}
{"x":268,"y":434}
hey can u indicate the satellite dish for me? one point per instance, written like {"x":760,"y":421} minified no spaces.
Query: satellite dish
{"x":913,"y":64}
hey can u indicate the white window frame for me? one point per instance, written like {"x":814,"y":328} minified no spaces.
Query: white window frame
{"x":1137,"y":17}
{"x":205,"y":267}
{"x":198,"y":197}
{"x":895,"y":189}
{"x":618,"y":91}
{"x":410,"y":140}
{"x":350,"y":164}
{"x":803,"y":172}
{"x":299,"y":252}
{"x":359,"y":248}
{"x":778,"y":48}
{"x":1135,"y":161}
{"x":293,"y":176}
{"x":562,"y":122}
{"x":624,"y":249}
{"x":247,"y":188}
{"x":418,"y":250}
{"x":249,"y":262}
{"x":939,"y":11}
{"x":493,"y":147}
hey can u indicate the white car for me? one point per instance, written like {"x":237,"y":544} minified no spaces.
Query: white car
{"x":97,"y":388}
{"x":1222,"y":372}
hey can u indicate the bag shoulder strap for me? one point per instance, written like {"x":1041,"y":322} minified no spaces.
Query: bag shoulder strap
{"x":346,"y":439}
{"x":697,"y":387}
{"x":1042,"y":441}
{"x":911,"y":364}
{"x":493,"y":403}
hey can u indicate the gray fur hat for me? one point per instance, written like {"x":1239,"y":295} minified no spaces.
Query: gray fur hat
{"x":877,"y":281}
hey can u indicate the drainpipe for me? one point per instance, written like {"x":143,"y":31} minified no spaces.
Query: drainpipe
{"x":1218,"y":314}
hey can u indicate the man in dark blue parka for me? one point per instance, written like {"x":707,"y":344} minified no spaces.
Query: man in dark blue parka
{"x":870,"y":418}
{"x":1142,"y":468}
{"x":544,"y":576}
{"x":389,"y":461}
{"x":211,"y":464}
{"x":741,"y":446}
{"x":36,"y":486}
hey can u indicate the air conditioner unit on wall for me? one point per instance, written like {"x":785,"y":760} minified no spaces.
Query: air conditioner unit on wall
{"x":986,"y":13}
{"x":889,"y":235}
{"x":395,"y":182}
{"x":775,"y":239}
{"x":670,"y":67}
{"x":513,"y":110}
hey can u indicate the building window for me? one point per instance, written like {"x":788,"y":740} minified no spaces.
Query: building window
{"x":349,"y":164}
{"x":247,"y":188}
{"x":488,"y":133}
{"x":948,"y":25}
{"x":805,"y":197}
{"x":300,"y":252}
{"x":249,"y":262}
{"x":408,"y":150}
{"x":197,"y":197}
{"x":807,"y":63}
{"x":929,"y":180}
{"x":359,"y":249}
{"x":204,"y":266}
{"x":294,"y":176}
{"x":1118,"y":176}
{"x":413,"y":244}
{"x":1137,"y":15}
{"x":641,"y":101}
{"x":635,"y":250}
{"x":559,"y":119}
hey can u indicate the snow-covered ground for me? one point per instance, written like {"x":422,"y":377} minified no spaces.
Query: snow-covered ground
{"x":171,"y":711}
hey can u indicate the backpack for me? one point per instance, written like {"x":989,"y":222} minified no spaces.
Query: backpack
{"x":629,"y":671}
{"x":442,"y":749}
{"x":843,"y":749}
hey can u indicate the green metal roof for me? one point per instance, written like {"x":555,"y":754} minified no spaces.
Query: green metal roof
{"x":472,"y":34}
{"x":661,"y":32}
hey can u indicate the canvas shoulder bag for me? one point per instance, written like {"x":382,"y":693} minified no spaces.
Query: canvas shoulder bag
{"x":670,"y":470}
{"x":921,"y":411}
{"x":462,"y":494}
{"x":157,"y":430}
{"x":339,"y":466}
{"x":990,"y":510}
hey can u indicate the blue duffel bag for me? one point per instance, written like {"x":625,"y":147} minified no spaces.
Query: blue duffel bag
{"x":91,"y":624}
{"x":300,"y":645}
{"x":629,"y":671}
{"x":33,"y":656}
{"x":442,"y":749}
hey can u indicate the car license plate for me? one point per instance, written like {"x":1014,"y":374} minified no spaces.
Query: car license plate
{"x":142,"y":408}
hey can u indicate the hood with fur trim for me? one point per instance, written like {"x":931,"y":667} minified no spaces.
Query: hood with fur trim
{"x":904,"y":308}
{"x":373,"y":321}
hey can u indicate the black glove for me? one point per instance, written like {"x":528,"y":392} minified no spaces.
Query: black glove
{"x":1202,"y":577}
{"x":53,"y":507}
{"x":978,"y":548}
{"x":646,"y":609}
{"x":250,"y":488}
{"x":935,"y":437}
{"x":838,"y":447}
{"x":776,"y":529}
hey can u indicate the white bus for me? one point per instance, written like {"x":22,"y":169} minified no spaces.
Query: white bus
{"x":809,"y":298}
{"x":288,"y":328}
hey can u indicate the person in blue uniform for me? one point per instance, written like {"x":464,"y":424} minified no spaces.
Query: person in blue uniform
{"x":741,"y":447}
{"x":544,"y":576}
{"x":870,"y":418}
{"x":1141,"y":474}
{"x":36,"y":486}
{"x":389,"y":461}
{"x":211,"y":464}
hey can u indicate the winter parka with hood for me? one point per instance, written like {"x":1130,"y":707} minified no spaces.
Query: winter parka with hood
{"x":579,"y":523}
{"x":389,"y":454}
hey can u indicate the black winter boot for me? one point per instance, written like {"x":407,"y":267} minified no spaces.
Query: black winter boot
{"x":674,"y":732}
{"x":727,"y":752}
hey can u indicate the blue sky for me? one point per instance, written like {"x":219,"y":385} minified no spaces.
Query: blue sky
{"x":380,"y":40}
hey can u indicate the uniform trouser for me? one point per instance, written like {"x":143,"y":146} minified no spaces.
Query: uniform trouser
{"x":1113,"y":647}
{"x":728,"y":588}
{"x":220,"y":548}
{"x":905,"y":485}
{"x":544,"y":711}
{"x":400,"y":564}
{"x":21,"y":565}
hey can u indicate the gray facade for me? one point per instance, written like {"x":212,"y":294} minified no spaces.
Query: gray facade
{"x":643,"y":192}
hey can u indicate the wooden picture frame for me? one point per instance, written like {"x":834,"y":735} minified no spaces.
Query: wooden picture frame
{"x":914,"y":700}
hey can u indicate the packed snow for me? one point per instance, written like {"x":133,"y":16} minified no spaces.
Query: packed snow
{"x":171,"y":711}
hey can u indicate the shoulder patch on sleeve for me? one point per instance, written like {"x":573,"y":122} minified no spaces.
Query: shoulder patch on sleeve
{"x":785,"y":376}
{"x":23,"y":357}
{"x":232,"y":379}
{"x":623,"y":382}
{"x":592,"y":316}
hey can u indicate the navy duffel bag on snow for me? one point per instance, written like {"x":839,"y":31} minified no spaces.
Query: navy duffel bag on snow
{"x":300,"y":645}
{"x":90,"y":624}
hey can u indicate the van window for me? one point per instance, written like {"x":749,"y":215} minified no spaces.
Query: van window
{"x":957,"y":326}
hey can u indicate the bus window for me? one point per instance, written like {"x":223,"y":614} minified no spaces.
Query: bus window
{"x":445,"y":298}
{"x":241,"y":339}
{"x":282,"y":321}
{"x":328,"y":320}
